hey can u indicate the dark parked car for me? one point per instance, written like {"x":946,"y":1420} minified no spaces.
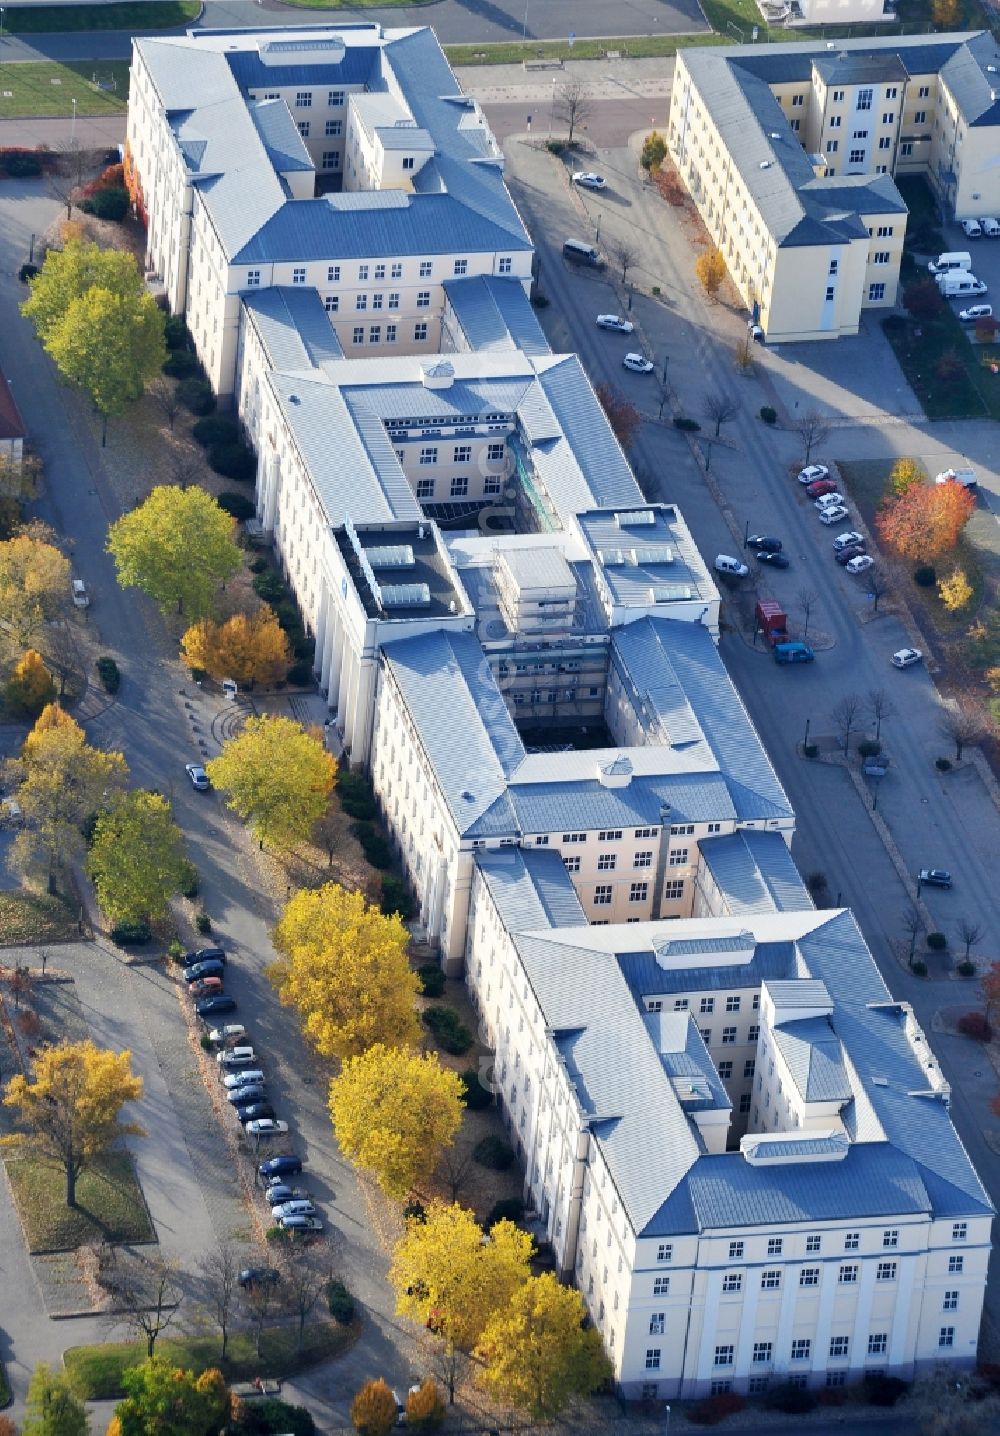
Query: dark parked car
{"x":934,"y":877}
{"x":285,"y":1165}
{"x":761,"y":541}
{"x":279,"y":1192}
{"x":212,"y":1005}
{"x":259,"y":1276}
{"x":211,"y":967}
{"x":772,"y":558}
{"x":254,"y":1111}
{"x":248,"y":1095}
{"x":203,"y":954}
{"x":853,"y":550}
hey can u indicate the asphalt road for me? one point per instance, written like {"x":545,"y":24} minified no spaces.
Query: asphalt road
{"x":455,"y":21}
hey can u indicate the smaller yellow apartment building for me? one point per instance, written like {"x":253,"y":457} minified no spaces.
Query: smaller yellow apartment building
{"x":790,"y":153}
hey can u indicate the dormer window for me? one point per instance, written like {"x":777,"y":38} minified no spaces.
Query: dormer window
{"x":408,"y":162}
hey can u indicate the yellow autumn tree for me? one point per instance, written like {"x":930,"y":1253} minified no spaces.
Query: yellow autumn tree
{"x":249,"y":647}
{"x":955,"y":591}
{"x":71,"y":1105}
{"x":30,"y":686}
{"x":343,"y":967}
{"x":394,"y":1112}
{"x":905,"y":473}
{"x":448,"y":1278}
{"x":535,"y":1353}
{"x":34,"y":586}
{"x":710,"y":267}
{"x":373,"y":1410}
{"x":277,"y":776}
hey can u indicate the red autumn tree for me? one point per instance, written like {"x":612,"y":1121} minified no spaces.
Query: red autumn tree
{"x":990,"y":985}
{"x":923,"y":299}
{"x":926,"y":521}
{"x":623,"y":416}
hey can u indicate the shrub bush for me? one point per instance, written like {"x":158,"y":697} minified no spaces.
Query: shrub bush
{"x":374,"y":844}
{"x":217,"y":429}
{"x":450,"y":1032}
{"x":176,"y":952}
{"x":395,"y":897}
{"x":189,"y":882}
{"x":237,"y":505}
{"x":340,"y":1301}
{"x":181,"y":364}
{"x":974,"y":1024}
{"x":555,"y":147}
{"x":810,"y":750}
{"x":233,"y":461}
{"x":689,"y":426}
{"x":22,"y":166}
{"x":196,"y":395}
{"x":259,"y":564}
{"x":425,"y":1409}
{"x":795,"y":1400}
{"x":202,"y":921}
{"x":540,"y":301}
{"x":262,"y":1418}
{"x":925,"y":575}
{"x":355,"y":794}
{"x":431,"y":979}
{"x":175,"y":332}
{"x":966,"y":968}
{"x":131,"y":934}
{"x":109,"y":674}
{"x":508,"y":1209}
{"x":919,"y":967}
{"x":943,"y":765}
{"x":107,"y":204}
{"x":299,"y":675}
{"x":769,"y":415}
{"x":287,"y":613}
{"x":474,"y":1095}
{"x":26,"y":272}
{"x":713,"y":1409}
{"x":269,"y":585}
{"x":815,"y":881}
{"x":883,"y":1390}
{"x":937,"y":941}
{"x":304,"y":647}
{"x":494,"y":1153}
{"x":205,"y":1042}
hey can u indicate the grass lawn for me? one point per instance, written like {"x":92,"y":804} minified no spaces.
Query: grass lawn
{"x":27,"y":918}
{"x":46,"y":88}
{"x":918,"y":345}
{"x":146,"y":15}
{"x":109,"y":1197}
{"x":95,"y":1372}
{"x":514,"y":52}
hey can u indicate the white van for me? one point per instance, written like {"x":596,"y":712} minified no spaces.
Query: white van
{"x":81,"y":599}
{"x":578,"y":251}
{"x":991,"y":227}
{"x":965,"y":476}
{"x":959,"y":285}
{"x":954,"y":259}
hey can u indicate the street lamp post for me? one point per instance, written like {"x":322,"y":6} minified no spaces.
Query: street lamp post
{"x":666,"y":1429}
{"x":72,"y":133}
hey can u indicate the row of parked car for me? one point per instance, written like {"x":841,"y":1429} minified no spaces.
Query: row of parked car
{"x":831,"y":506}
{"x":245,"y":1087}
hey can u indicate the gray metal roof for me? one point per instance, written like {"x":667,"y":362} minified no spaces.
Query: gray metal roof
{"x":530,"y":887}
{"x":584,"y":467}
{"x":496,"y":315}
{"x":475,"y":752}
{"x":809,"y":992}
{"x":286,"y":149}
{"x":836,"y":1146}
{"x":682,"y":1050}
{"x":755,"y":872}
{"x":814,"y":1058}
{"x":534,"y":568}
{"x":584,"y":804}
{"x":626,"y":556}
{"x":293,"y":327}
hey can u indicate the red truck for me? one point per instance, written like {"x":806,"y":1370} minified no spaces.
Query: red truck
{"x":772,"y":621}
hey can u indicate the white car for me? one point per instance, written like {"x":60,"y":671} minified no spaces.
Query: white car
{"x":199,"y":778}
{"x":835,"y":515}
{"x":266,"y":1127}
{"x":812,"y":472}
{"x":236,"y":1057}
{"x":297,"y":1207}
{"x":829,"y":501}
{"x":906,"y":657}
{"x":972,"y":229}
{"x":975,"y":312}
{"x":990,"y":226}
{"x":725,"y":563}
{"x":589,"y":180}
{"x":231,"y":1032}
{"x":845,"y":540}
{"x":81,"y":598}
{"x":615,"y":321}
{"x":246,"y":1077}
{"x":637,"y":363}
{"x":859,"y":564}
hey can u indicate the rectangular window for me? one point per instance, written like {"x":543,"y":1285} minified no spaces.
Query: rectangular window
{"x":889,"y":118}
{"x":460,"y":490}
{"x":298,"y":276}
{"x":638,"y":892}
{"x":303,"y":128}
{"x":796,"y":125}
{"x":707,"y":1005}
{"x":653,"y":1358}
{"x":396,"y":272}
{"x":420,"y":330}
{"x":331,"y":160}
{"x":946,"y":1336}
{"x":680,"y":1004}
{"x":461,"y":267}
{"x":798,"y":100}
{"x":332,"y":273}
{"x":728,"y":1036}
{"x":770,"y":1280}
{"x":375,"y":334}
{"x":884,"y":231}
{"x":838,"y":97}
{"x":425,"y":269}
{"x":358,"y":336}
{"x":839,"y":1347}
{"x":335,"y":99}
{"x":361,"y":301}
{"x":852,"y":1240}
{"x":333,"y":128}
{"x":956,"y":1265}
{"x":643,"y":859}
{"x":732,"y":1004}
{"x":878,"y":1342}
{"x":665,"y":1252}
{"x":657,"y":1322}
{"x":753,"y":1032}
{"x":377,"y":301}
{"x":678,"y":858}
{"x":835,"y":122}
{"x":829,"y":293}
{"x":492,"y":484}
{"x":749,"y":1067}
{"x":607,"y":862}
{"x":331,"y":303}
{"x":864,"y":100}
{"x":834,"y":266}
{"x":495,"y":452}
{"x":885,"y":143}
{"x":890,"y":1237}
{"x":574,"y":837}
{"x":891,"y":92}
{"x":610,"y":835}
{"x":920,"y":117}
{"x":706,"y":1035}
{"x":253,"y":278}
{"x":461,"y":454}
{"x":735,"y":1251}
{"x":408,"y":162}
{"x":950,"y":1301}
{"x":774,"y":1246}
{"x":762,"y":1352}
{"x":813,"y":1243}
{"x":732,"y":1281}
{"x":881,"y":256}
{"x":380,"y":271}
{"x":571,"y":862}
{"x":303,"y":99}
{"x":713,"y":827}
{"x":425,"y":488}
{"x":809,"y":1276}
{"x":362,"y":272}
{"x":602,"y":895}
{"x":661,"y":1286}
{"x":390,"y":333}
{"x":923,"y":92}
{"x":423,"y":299}
{"x":856,"y":157}
{"x":757,"y":1385}
{"x":724,"y":1355}
{"x":673,"y":889}
{"x":801,"y":1348}
{"x":504,"y":266}
{"x":725,"y":1070}
{"x":848,"y":1274}
{"x":745,"y":1102}
{"x":876,"y":292}
{"x":393,"y":301}
{"x":682,"y":830}
{"x":429,"y":455}
{"x":959,"y":1231}
{"x":885,"y":1271}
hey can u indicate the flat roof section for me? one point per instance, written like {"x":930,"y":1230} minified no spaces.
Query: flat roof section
{"x":412,"y":573}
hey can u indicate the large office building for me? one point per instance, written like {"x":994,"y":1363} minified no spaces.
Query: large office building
{"x":736,"y":1142}
{"x":791,"y":151}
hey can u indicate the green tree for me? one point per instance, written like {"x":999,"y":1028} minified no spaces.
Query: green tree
{"x":163,"y":1400}
{"x":72,"y":271}
{"x":276,"y":776}
{"x":111,"y":345}
{"x":654,"y":151}
{"x":30,"y":686}
{"x":34,"y":586}
{"x":53,"y":1410}
{"x":72,"y":1102}
{"x":178,"y":547}
{"x":536,"y":1353}
{"x":905,"y":473}
{"x":137,"y":858}
{"x":64,"y":782}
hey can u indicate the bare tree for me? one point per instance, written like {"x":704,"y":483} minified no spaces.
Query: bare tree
{"x":305,"y":1272}
{"x":186,"y":467}
{"x":962,"y":726}
{"x":147,"y":1296}
{"x":879,"y":582}
{"x":720,"y":408}
{"x":455,"y":1168}
{"x":844,"y":714}
{"x":327,"y":833}
{"x":807,"y":599}
{"x":625,"y":254}
{"x":573,"y":106}
{"x":61,"y":653}
{"x":222,"y":1273}
{"x":912,"y":924}
{"x":259,"y":1299}
{"x":970,"y":932}
{"x":880,"y":707}
{"x":67,"y":174}
{"x":813,"y":430}
{"x":164,"y":393}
